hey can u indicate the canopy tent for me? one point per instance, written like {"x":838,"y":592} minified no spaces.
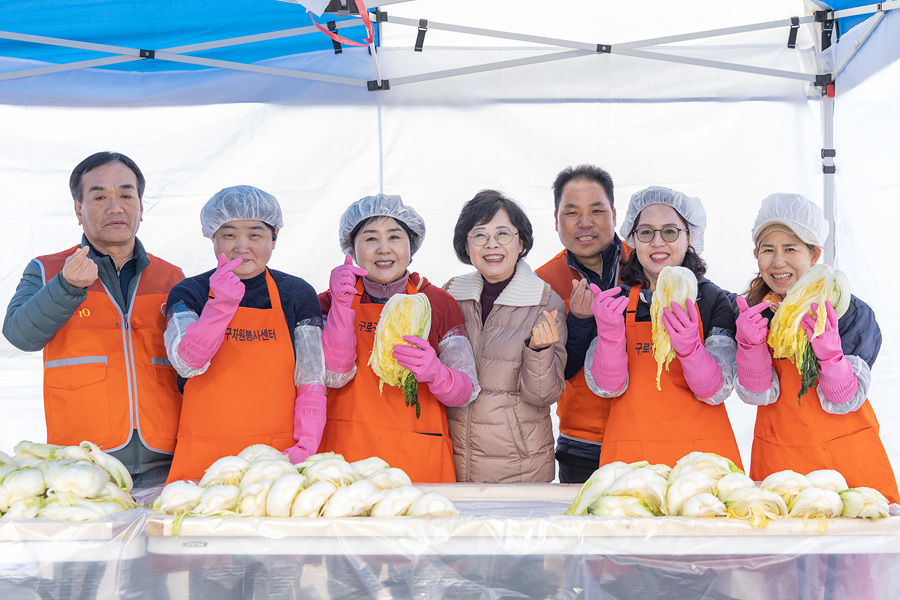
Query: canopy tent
{"x":711,"y":103}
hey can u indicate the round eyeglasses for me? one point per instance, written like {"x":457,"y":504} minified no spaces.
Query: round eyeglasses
{"x":646,"y":234}
{"x":503,"y":237}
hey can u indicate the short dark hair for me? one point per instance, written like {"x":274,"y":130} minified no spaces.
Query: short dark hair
{"x":98,"y":160}
{"x":587,"y":173}
{"x":480,"y":210}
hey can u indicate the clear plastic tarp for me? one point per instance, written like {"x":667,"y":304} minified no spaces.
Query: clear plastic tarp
{"x":508,"y":541}
{"x":105,"y":558}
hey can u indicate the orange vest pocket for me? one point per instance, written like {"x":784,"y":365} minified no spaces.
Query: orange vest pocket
{"x":90,"y":378}
{"x":75,"y":373}
{"x":165,"y":374}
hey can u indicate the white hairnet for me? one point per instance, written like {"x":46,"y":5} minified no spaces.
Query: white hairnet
{"x":800,"y":216}
{"x":239,"y":203}
{"x":690,"y":209}
{"x":380,"y":205}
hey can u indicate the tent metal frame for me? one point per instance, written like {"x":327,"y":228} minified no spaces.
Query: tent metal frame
{"x":571,"y":49}
{"x":636,"y":49}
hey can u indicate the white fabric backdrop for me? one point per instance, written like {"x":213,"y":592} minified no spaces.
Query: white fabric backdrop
{"x":729,"y":138}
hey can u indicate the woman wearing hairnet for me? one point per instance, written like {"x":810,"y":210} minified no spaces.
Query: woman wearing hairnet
{"x":665,"y":228}
{"x":381,"y":234}
{"x":248,"y":341}
{"x":833,"y":426}
{"x":517,"y":326}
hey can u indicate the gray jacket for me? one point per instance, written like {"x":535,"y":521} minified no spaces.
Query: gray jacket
{"x":37,"y":311}
{"x":506,"y":434}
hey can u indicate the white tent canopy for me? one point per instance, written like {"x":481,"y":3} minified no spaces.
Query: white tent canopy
{"x":728,"y":136}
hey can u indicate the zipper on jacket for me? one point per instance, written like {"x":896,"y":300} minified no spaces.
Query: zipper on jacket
{"x":469,"y":412}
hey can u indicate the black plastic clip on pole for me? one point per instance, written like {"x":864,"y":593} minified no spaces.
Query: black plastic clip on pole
{"x":420,"y":38}
{"x":332,"y":27}
{"x":792,"y":36}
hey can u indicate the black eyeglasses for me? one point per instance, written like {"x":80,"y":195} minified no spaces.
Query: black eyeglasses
{"x":646,"y":234}
{"x":503,"y":237}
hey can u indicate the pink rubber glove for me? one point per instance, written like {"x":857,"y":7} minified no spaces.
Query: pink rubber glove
{"x":839,"y":382}
{"x":754,"y":363}
{"x":309,"y":422}
{"x":610,"y":366}
{"x":202,"y":339}
{"x":338,"y":337}
{"x":701,"y":371}
{"x":450,"y":386}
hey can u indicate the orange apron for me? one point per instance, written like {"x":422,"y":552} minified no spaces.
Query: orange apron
{"x":362,"y":422}
{"x":245,"y":397}
{"x":803,"y":437}
{"x":661,"y":426}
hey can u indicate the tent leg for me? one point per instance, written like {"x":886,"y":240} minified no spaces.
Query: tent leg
{"x":828,"y":173}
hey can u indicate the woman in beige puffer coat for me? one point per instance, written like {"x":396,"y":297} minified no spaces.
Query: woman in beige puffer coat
{"x":517,"y":327}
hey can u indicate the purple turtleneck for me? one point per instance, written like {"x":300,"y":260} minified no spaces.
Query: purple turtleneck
{"x":380,"y":293}
{"x":490,"y":293}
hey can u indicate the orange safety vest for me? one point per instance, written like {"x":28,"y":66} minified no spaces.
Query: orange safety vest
{"x":107,"y":374}
{"x":661,"y":426}
{"x":363,"y":422}
{"x":582,"y":414}
{"x":803,"y":437}
{"x":245,"y":397}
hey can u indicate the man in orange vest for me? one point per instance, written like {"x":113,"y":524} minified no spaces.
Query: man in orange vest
{"x":98,"y":312}
{"x":586,"y":222}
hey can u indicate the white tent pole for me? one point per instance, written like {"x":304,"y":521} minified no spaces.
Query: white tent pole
{"x":884,"y":6}
{"x":261,"y":37}
{"x":593,"y":46}
{"x":224,"y":64}
{"x":828,"y":171}
{"x":686,"y":37}
{"x":84,"y":64}
{"x":493,"y":33}
{"x":811,"y":77}
{"x":505,"y":64}
{"x":828,"y":150}
{"x":858,"y":44}
{"x":51,"y":41}
{"x":868,"y":9}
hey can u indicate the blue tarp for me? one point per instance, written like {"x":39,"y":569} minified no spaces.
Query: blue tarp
{"x":157,"y":25}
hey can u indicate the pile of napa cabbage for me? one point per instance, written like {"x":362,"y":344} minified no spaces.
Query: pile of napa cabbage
{"x":261,"y":482}
{"x":69,"y":483}
{"x":703,"y":484}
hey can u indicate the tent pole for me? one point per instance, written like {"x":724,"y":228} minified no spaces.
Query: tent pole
{"x":84,"y":64}
{"x":859,"y":44}
{"x":828,"y":172}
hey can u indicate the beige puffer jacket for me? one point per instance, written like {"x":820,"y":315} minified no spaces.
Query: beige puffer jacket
{"x":505,"y":435}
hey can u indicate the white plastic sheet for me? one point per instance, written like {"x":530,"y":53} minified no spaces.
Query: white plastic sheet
{"x":106,"y":558}
{"x":509,"y":541}
{"x":503,"y":546}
